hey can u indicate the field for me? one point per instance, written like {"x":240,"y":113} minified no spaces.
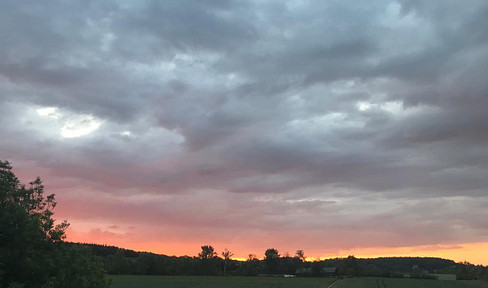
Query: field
{"x":127,"y":281}
{"x":216,"y":282}
{"x":407,"y":283}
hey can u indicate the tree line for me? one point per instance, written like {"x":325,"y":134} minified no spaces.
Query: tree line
{"x":209,"y":262}
{"x":468,"y":271}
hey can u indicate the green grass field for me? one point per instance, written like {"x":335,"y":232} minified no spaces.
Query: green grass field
{"x":127,"y":281}
{"x":446,"y":276}
{"x":407,"y":283}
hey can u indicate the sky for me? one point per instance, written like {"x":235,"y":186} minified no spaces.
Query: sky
{"x":336,"y":127}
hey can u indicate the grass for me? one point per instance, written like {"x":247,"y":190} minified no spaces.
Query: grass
{"x":474,"y":284}
{"x":446,"y":276}
{"x":132,"y":281}
{"x":407,"y":283}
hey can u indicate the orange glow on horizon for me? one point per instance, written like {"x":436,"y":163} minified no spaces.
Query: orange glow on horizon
{"x":471,"y":252}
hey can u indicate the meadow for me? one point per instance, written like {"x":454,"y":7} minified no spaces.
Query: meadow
{"x":371,"y":282}
{"x":129,"y":281}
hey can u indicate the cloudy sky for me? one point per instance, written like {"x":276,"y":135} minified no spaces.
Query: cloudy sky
{"x":336,"y":127}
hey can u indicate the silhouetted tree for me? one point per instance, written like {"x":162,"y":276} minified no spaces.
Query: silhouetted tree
{"x":31,"y":253}
{"x":208,"y":261}
{"x":300,"y":255}
{"x":252,"y":266}
{"x":227,"y":255}
{"x":271,"y":260}
{"x":208,"y":252}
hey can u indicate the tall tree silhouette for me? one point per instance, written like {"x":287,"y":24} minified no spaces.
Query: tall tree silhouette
{"x":208,"y":261}
{"x":226,"y":254}
{"x":31,"y":253}
{"x":271,"y":260}
{"x":208,"y":252}
{"x":300,"y":255}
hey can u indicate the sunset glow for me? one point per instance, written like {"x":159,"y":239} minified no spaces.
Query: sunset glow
{"x":471,"y":252}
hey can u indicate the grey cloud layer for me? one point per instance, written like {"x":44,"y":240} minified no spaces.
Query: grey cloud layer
{"x":250,"y":97}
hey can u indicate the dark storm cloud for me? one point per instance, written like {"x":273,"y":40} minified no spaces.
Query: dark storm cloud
{"x":186,"y":25}
{"x":295,"y":99}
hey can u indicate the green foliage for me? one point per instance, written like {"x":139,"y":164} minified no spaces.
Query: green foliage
{"x":27,"y":230}
{"x":30,"y":242}
{"x":77,"y":267}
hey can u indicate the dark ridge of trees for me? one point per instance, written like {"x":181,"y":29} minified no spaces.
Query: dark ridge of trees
{"x":106,"y":250}
{"x":468,"y":271}
{"x":350,"y":266}
{"x":123,"y":261}
{"x":417,"y":267}
{"x":32,"y":253}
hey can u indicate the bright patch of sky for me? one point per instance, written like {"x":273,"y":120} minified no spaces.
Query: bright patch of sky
{"x":50,"y":112}
{"x":395,"y":108}
{"x":68,"y":125}
{"x":79,"y":126}
{"x":322,"y":123}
